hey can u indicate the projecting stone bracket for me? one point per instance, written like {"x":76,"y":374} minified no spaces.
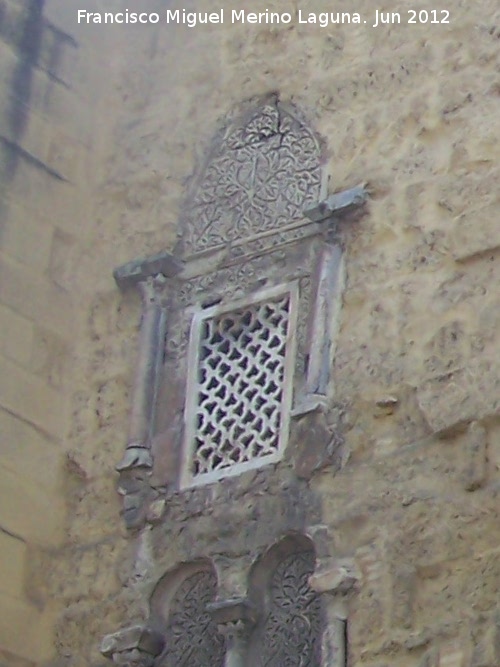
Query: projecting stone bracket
{"x":338,"y":577}
{"x":338,"y":204}
{"x":138,"y":270}
{"x":136,"y":646}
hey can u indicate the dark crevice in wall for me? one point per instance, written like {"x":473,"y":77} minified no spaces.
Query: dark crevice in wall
{"x":15,"y":151}
{"x":63,"y":37}
{"x":8,"y":532}
{"x":53,"y":42}
{"x":47,"y":435}
{"x":346,"y":644}
{"x":51,"y":58}
{"x":29,"y":44}
{"x":29,"y":48}
{"x":17,"y":114}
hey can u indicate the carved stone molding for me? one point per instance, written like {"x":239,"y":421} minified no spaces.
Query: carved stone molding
{"x":136,"y":646}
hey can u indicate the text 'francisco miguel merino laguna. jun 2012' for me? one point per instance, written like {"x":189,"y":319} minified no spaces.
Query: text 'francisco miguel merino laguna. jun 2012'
{"x":241,"y":16}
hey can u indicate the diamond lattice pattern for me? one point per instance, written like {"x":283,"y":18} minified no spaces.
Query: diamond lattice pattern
{"x":240,"y":385}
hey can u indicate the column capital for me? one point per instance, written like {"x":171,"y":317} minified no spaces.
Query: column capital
{"x":235,"y":617}
{"x":150,"y":289}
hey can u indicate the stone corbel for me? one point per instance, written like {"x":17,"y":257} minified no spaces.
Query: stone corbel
{"x":338,"y":205}
{"x":335,"y":581}
{"x":137,"y":646}
{"x":148,"y":276}
{"x":337,"y":578}
{"x":235,"y":618}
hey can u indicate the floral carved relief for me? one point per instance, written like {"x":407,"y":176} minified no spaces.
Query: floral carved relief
{"x":290,"y":634}
{"x":192,"y":636}
{"x":262,"y":176}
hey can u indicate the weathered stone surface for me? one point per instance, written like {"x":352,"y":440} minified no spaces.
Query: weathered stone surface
{"x":396,"y":107}
{"x":476,"y":461}
{"x":475,"y":232}
{"x":316,"y":444}
{"x":486,"y":651}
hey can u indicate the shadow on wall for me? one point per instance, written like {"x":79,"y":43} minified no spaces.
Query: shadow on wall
{"x":27,"y":40}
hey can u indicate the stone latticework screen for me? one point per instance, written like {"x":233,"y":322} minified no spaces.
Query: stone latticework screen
{"x":290,"y":635}
{"x":192,"y":635}
{"x":240,"y":384}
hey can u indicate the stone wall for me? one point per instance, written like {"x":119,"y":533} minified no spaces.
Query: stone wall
{"x":102,"y":130}
{"x":53,"y":134}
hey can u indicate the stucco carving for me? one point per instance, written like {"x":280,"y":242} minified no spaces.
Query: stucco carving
{"x":192,"y":636}
{"x":264,"y":172}
{"x":291,"y":633}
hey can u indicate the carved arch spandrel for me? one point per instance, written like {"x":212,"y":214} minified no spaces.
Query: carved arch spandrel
{"x":263,"y":171}
{"x":179,"y":609}
{"x":291,"y":624}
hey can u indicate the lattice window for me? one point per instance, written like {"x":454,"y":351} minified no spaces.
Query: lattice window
{"x":239,"y":385}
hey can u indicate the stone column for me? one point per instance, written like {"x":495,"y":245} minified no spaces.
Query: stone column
{"x":149,"y":360}
{"x":136,"y":646}
{"x":335,"y":582}
{"x":137,"y":462}
{"x":235,"y":619}
{"x":148,"y":276}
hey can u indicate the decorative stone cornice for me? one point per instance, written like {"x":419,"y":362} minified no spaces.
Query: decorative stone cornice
{"x":136,"y":646}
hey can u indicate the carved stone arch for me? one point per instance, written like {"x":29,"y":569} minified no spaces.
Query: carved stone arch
{"x":179,"y":610}
{"x":263,"y":170}
{"x":290,"y":626}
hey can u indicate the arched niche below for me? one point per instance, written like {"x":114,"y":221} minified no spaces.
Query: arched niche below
{"x":179,"y":610}
{"x":289,"y":629}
